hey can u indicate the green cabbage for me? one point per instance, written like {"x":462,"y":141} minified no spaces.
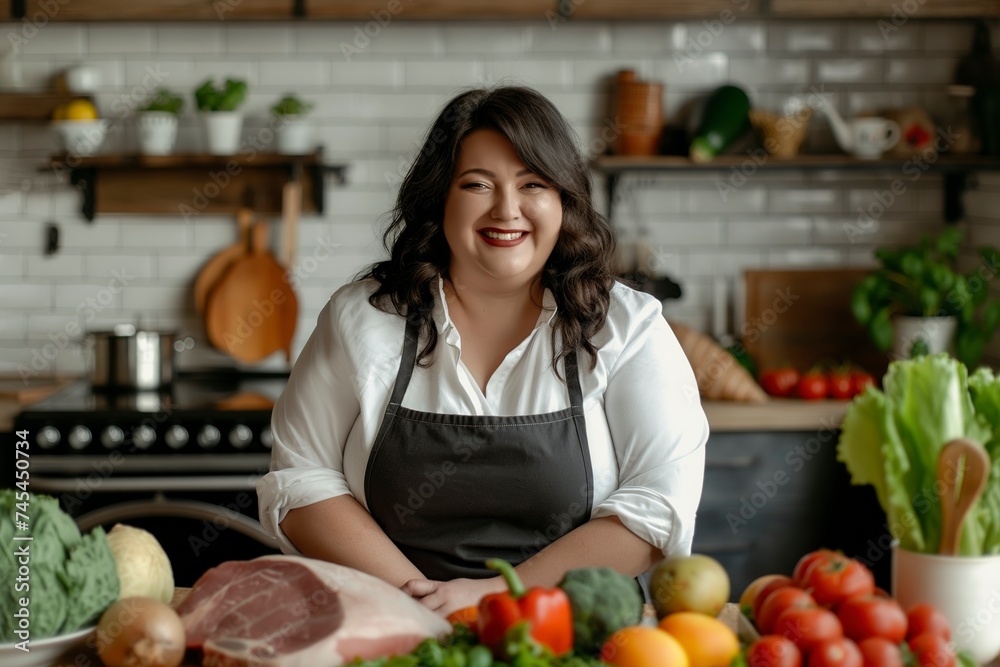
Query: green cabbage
{"x":72,"y":577}
{"x":892,"y":441}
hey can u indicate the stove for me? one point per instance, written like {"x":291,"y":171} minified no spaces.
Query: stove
{"x":204,"y":422}
{"x":180,"y":462}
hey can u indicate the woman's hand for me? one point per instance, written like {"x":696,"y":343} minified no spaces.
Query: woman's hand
{"x":445,"y":597}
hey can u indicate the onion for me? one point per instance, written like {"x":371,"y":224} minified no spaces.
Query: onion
{"x":140,"y":632}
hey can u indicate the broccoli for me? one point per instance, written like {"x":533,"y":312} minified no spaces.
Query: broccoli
{"x":603,"y":601}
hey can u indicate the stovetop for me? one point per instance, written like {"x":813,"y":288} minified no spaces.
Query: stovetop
{"x":207,"y":412}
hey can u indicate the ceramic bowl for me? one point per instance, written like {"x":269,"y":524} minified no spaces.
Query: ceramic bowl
{"x":81,"y":137}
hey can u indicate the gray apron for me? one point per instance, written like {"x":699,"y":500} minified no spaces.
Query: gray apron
{"x":454,"y":490}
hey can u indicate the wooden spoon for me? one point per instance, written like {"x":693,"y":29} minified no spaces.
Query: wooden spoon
{"x":217,"y":266}
{"x":954,"y":509}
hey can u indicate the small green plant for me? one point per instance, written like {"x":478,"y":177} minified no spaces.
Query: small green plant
{"x":228,"y":98}
{"x":924,"y":282}
{"x":165,"y":100}
{"x":290,"y":105}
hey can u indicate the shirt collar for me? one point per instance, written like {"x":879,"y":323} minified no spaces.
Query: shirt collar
{"x":443,"y":320}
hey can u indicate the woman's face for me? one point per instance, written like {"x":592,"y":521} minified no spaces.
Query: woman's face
{"x":501,"y":220}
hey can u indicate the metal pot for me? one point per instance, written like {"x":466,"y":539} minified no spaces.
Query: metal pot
{"x":128,"y":358}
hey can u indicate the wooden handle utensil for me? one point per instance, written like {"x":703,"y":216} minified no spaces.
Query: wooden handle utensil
{"x":973,"y":480}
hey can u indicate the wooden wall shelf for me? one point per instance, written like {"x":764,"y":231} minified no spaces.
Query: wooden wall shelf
{"x":955,"y":169}
{"x":188,"y":185}
{"x":37,"y":106}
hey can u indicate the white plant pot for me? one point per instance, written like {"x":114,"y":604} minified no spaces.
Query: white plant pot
{"x":157,"y":132}
{"x":937,"y":332}
{"x":965,"y":588}
{"x":294,"y":136}
{"x":222,"y":131}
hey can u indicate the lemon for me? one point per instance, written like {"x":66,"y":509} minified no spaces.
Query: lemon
{"x":79,"y":110}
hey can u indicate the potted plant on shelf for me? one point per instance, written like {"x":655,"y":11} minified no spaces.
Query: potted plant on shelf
{"x":158,"y":123}
{"x":293,"y":129}
{"x":917,"y":302}
{"x":219,"y":112}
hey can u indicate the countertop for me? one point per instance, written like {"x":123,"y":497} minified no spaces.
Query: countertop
{"x":723,"y":416}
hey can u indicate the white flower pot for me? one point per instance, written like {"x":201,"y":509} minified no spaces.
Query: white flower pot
{"x":222,"y":131}
{"x":157,"y":132}
{"x":937,"y":332}
{"x":965,"y":588}
{"x":294,"y":136}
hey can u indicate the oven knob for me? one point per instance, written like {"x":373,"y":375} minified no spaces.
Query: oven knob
{"x":112,"y":437}
{"x":176,"y":437}
{"x":143,"y":437}
{"x":79,"y":437}
{"x":48,"y":437}
{"x":209,"y":437}
{"x":240,"y":436}
{"x":266,"y":437}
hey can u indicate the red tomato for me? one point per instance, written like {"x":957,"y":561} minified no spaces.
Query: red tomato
{"x":932,"y":650}
{"x":779,"y":601}
{"x":861,"y":380}
{"x":880,"y":652}
{"x":923,"y":618}
{"x":799,"y":574}
{"x":812,"y":386}
{"x":867,"y":616}
{"x":773,"y":651}
{"x":835,"y":653}
{"x":779,"y":381}
{"x":781,"y":581}
{"x":808,"y":627}
{"x":836,"y":578}
{"x":839,"y":385}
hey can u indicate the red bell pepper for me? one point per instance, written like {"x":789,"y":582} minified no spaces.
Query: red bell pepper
{"x":546,"y":611}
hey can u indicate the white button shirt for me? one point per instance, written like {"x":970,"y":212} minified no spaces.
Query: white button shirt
{"x":646,"y":429}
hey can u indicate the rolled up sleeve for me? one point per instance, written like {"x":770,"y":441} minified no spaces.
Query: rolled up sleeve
{"x":310,"y":424}
{"x":659,"y":431}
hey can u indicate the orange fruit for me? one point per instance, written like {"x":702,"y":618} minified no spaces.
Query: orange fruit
{"x":707,"y":641}
{"x":642,"y":646}
{"x":749,"y":593}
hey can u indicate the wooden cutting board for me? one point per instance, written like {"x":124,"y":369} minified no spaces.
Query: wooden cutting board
{"x":220,"y":262}
{"x":803,"y":317}
{"x":252,"y":309}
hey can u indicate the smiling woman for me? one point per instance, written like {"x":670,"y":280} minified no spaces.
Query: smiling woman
{"x":439,"y":415}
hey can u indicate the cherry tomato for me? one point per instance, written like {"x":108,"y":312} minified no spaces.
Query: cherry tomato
{"x":812,"y":386}
{"x":932,"y":650}
{"x":839,"y":385}
{"x":836,"y":578}
{"x":865,"y":616}
{"x":880,"y":652}
{"x":807,"y":627}
{"x":779,"y":601}
{"x":861,"y":380}
{"x":749,"y":593}
{"x":923,"y":618}
{"x":773,"y":651}
{"x":835,"y":653}
{"x":779,"y":381}
{"x":781,"y":581}
{"x":799,"y":573}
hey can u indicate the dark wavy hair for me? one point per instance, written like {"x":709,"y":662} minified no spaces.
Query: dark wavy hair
{"x":579,"y":272}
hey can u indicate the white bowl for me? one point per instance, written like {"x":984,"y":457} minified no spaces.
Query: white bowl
{"x":81,"y":137}
{"x":45,"y":652}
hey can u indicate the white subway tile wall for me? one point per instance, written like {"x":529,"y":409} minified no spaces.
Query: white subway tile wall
{"x":375,"y":92}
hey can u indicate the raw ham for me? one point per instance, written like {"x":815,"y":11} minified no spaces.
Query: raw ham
{"x":288,"y":611}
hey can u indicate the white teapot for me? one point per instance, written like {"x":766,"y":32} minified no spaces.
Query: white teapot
{"x":865,"y":137}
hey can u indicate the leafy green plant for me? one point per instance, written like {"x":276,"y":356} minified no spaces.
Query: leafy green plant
{"x":290,"y":105}
{"x":165,"y":100}
{"x":227,"y":98}
{"x":924,"y":282}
